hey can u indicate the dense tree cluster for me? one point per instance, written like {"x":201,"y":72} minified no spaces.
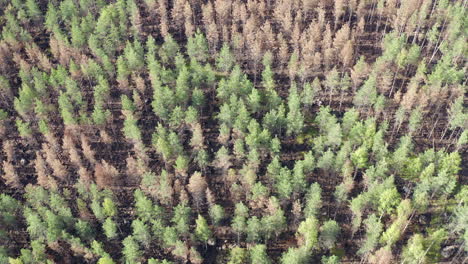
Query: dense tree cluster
{"x":224,"y":131}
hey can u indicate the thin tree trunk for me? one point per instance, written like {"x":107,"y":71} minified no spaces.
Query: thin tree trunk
{"x":341,"y":100}
{"x":393,"y":82}
{"x":378,"y":22}
{"x":445,"y":131}
{"x":434,"y":126}
{"x":385,"y":29}
{"x":372,"y":12}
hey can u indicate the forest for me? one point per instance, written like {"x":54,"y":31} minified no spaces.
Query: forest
{"x":233,"y":131}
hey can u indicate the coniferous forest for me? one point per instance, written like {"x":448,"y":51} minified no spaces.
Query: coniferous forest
{"x":233,"y":131}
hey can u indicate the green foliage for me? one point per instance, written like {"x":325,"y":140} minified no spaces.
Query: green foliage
{"x":134,"y":55}
{"x":98,"y":249}
{"x":109,"y":207}
{"x":84,"y":230}
{"x":108,"y":29}
{"x":329,"y":233}
{"x":131,"y":251}
{"x":237,"y":256}
{"x":414,"y":252}
{"x":294,"y":117}
{"x":168,"y":50}
{"x":78,"y":37}
{"x":110,"y":228}
{"x":330,"y":260}
{"x":360,"y":157}
{"x":202,"y":230}
{"x":373,"y":229}
{"x":313,"y":201}
{"x":366,"y":96}
{"x":325,"y":162}
{"x":181,"y":219}
{"x":216,"y":214}
{"x":182,"y":86}
{"x":24,"y":129}
{"x":105,"y":260}
{"x":275,"y":223}
{"x":388,"y":201}
{"x":296,"y":256}
{"x":254,"y":228}
{"x":308,"y":233}
{"x":197,"y":47}
{"x":239,"y":222}
{"x":155,"y":261}
{"x":258,"y":254}
{"x":225,"y":59}
{"x":284,"y":183}
{"x":141,"y":232}
{"x":309,"y":92}
{"x":24,"y":102}
{"x":393,"y":232}
{"x":10,"y":209}
{"x":3,"y":115}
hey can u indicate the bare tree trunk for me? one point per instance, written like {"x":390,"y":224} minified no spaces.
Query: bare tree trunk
{"x":341,"y":100}
{"x":437,"y":46}
{"x":434,"y":126}
{"x":393,"y":82}
{"x":372,"y":12}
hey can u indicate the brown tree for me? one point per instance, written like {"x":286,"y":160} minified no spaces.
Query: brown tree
{"x":339,"y":10}
{"x":41,"y":170}
{"x":207,"y":14}
{"x":317,"y":61}
{"x":347,"y":54}
{"x":238,"y":42}
{"x":256,"y":55}
{"x":177,"y":13}
{"x":188,"y":24}
{"x":296,"y":35}
{"x":8,"y":149}
{"x":183,"y":196}
{"x":210,"y":197}
{"x":342,"y":36}
{"x":296,"y":212}
{"x":385,"y":81}
{"x":268,"y":36}
{"x":283,"y":52}
{"x":36,"y":55}
{"x":359,"y":72}
{"x":88,"y":152}
{"x":163,"y":20}
{"x":85,"y":176}
{"x":328,"y":57}
{"x":223,"y":11}
{"x":53,"y":142}
{"x":361,"y":25}
{"x":212,"y":35}
{"x":197,"y":140}
{"x":197,"y":187}
{"x":327,"y":40}
{"x":195,"y":256}
{"x":225,"y":34}
{"x":104,"y":136}
{"x":105,"y":174}
{"x":60,"y":171}
{"x":10,"y":176}
{"x":409,"y":98}
{"x":382,"y":256}
{"x":69,"y":146}
{"x":321,"y":13}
